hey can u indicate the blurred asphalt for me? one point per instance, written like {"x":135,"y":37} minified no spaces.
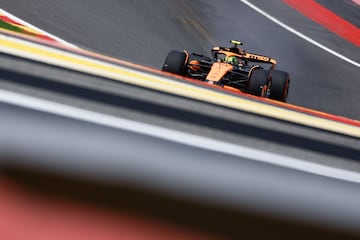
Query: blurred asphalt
{"x":143,"y":32}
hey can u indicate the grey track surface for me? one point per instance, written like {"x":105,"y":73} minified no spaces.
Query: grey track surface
{"x":144,"y":31}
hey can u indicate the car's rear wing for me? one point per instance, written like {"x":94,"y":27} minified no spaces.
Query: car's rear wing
{"x":258,"y":58}
{"x":252,"y":57}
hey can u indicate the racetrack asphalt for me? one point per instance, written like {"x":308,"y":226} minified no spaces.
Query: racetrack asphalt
{"x":144,"y":31}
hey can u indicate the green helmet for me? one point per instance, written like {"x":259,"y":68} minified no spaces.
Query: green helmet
{"x":231,"y":60}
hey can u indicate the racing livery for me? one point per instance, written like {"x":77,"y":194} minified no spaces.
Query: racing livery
{"x":233,"y":67}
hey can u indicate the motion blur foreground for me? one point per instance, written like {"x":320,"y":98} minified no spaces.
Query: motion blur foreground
{"x":85,"y":156}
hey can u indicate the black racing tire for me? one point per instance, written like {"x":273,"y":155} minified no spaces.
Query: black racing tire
{"x":258,"y":82}
{"x":280,"y":82}
{"x":175,"y":62}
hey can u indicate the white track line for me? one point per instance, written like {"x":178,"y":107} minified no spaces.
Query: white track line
{"x":36,"y":28}
{"x":200,"y":142}
{"x":299,"y":34}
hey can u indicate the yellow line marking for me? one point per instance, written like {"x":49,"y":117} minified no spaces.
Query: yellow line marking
{"x":28,"y":29}
{"x":72,"y":61}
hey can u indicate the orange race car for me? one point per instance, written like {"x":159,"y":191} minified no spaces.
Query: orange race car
{"x":230,"y":66}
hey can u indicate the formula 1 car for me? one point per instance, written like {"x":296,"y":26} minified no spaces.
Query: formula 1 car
{"x":230,"y":66}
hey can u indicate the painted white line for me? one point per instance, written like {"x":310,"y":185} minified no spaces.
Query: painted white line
{"x":299,"y":34}
{"x":175,"y":136}
{"x":36,"y":28}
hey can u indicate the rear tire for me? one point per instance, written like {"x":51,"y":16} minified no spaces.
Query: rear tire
{"x":175,"y":62}
{"x":279,"y":85}
{"x":258,"y":82}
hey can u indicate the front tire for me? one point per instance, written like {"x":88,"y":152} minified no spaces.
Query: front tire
{"x":279,"y":85}
{"x":258,"y":82}
{"x":175,"y":62}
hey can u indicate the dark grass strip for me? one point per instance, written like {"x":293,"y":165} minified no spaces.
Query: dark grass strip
{"x":11,"y":27}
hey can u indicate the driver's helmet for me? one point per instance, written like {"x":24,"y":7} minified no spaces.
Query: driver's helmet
{"x":231,"y":60}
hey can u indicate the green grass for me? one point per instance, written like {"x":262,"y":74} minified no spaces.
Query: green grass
{"x":10,"y":27}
